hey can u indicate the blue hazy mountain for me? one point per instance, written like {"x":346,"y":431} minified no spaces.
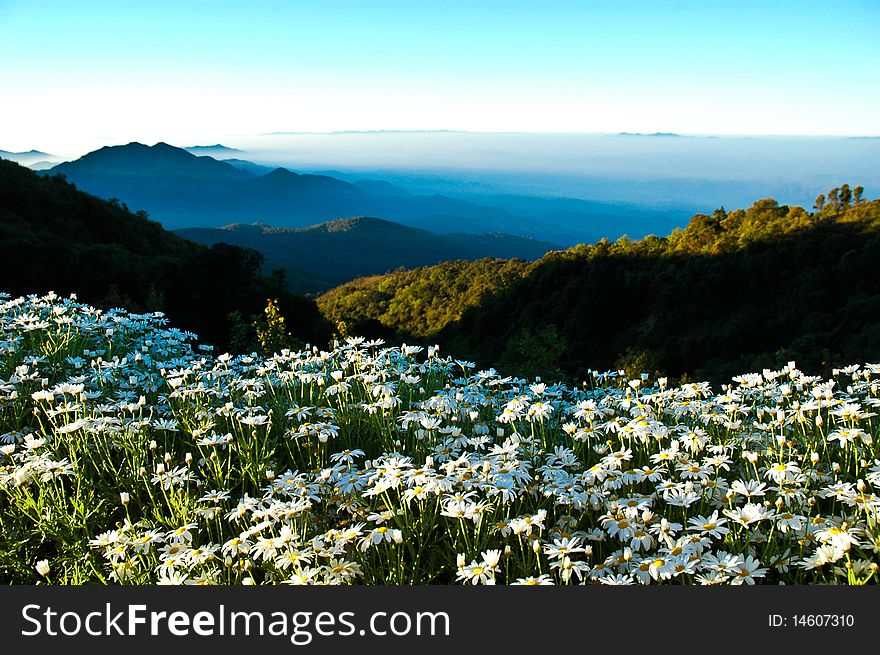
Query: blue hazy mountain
{"x":249,"y":166}
{"x":33,"y":159}
{"x":137,"y":161}
{"x":180,"y":189}
{"x":651,"y":170}
{"x":376,"y":187}
{"x":218,"y":151}
{"x":322,"y":256}
{"x":652,"y":134}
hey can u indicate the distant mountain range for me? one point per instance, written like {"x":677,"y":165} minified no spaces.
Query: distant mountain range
{"x":377,"y":187}
{"x":343,"y":132}
{"x":181,"y":189}
{"x":659,"y":134}
{"x":33,"y":159}
{"x":322,"y":256}
{"x":217,"y":150}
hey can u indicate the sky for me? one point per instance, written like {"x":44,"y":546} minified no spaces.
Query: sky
{"x":77,"y":74}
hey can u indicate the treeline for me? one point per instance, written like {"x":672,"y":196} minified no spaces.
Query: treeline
{"x":419,"y":302}
{"x":54,"y":237}
{"x":732,"y":292}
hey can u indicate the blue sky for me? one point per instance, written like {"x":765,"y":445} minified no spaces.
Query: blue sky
{"x":77,"y":71}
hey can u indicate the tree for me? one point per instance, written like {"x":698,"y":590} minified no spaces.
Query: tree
{"x":272,"y":333}
{"x":845,"y":195}
{"x":820,"y":202}
{"x":857,"y":194}
{"x":834,"y":198}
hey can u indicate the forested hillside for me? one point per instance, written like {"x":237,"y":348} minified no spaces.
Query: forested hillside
{"x":733,"y":291}
{"x":56,"y":238}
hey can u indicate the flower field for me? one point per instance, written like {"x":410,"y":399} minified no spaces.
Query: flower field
{"x":128,"y":454}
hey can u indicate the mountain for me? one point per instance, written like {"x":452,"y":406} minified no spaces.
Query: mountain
{"x":319,"y":257}
{"x":217,"y":150}
{"x":734,"y":291}
{"x":347,"y":132}
{"x":130,"y":163}
{"x":180,"y":190}
{"x":31,"y":158}
{"x":380,"y":188}
{"x":653,"y":134}
{"x":249,"y":166}
{"x":54,"y":237}
{"x":43,"y":165}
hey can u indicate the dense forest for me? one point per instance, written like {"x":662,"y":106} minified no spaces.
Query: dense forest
{"x":54,"y":237}
{"x":733,"y":291}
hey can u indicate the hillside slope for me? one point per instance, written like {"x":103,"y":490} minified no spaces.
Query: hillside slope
{"x":56,"y":238}
{"x":322,"y":256}
{"x":732,"y":292}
